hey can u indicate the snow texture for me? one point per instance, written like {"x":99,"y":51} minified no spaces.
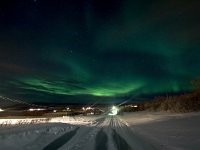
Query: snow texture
{"x":131,"y":131}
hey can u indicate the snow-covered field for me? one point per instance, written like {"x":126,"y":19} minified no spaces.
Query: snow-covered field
{"x":131,"y":131}
{"x":167,"y":131}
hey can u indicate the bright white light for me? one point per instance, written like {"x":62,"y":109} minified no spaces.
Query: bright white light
{"x":135,"y":106}
{"x":114,"y":110}
{"x":31,"y":109}
{"x":1,"y":110}
{"x":88,"y":108}
{"x":83,"y":108}
{"x":37,"y":109}
{"x":54,"y":111}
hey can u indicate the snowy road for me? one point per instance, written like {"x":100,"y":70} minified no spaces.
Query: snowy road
{"x":132,"y":131}
{"x":106,"y":133}
{"x":102,"y":133}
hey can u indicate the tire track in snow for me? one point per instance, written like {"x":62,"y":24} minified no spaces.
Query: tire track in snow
{"x":101,"y":141}
{"x":61,"y":140}
{"x":128,"y":138}
{"x":85,"y":137}
{"x":120,"y":143}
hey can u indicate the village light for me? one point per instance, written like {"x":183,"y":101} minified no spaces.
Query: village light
{"x":89,"y":108}
{"x":36,"y":109}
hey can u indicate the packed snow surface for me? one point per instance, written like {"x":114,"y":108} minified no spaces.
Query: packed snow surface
{"x":130,"y":131}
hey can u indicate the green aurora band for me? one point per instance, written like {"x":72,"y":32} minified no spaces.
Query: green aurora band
{"x":105,"y":51}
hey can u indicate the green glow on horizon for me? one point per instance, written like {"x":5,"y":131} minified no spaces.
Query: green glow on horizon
{"x":95,"y":90}
{"x":107,"y":89}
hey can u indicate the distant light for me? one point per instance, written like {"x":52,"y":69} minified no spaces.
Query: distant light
{"x":135,"y":106}
{"x":68,"y":109}
{"x":1,"y":110}
{"x":54,"y":111}
{"x":114,"y":111}
{"x":37,"y":109}
{"x":83,"y":108}
{"x":92,"y":113}
{"x":89,"y":108}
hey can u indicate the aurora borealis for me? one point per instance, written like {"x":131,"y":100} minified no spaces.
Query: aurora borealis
{"x":79,"y":51}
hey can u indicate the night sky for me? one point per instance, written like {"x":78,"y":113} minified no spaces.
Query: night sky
{"x":79,"y":51}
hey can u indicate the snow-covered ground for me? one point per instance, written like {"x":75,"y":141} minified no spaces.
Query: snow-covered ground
{"x":131,"y":131}
{"x":166,"y":130}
